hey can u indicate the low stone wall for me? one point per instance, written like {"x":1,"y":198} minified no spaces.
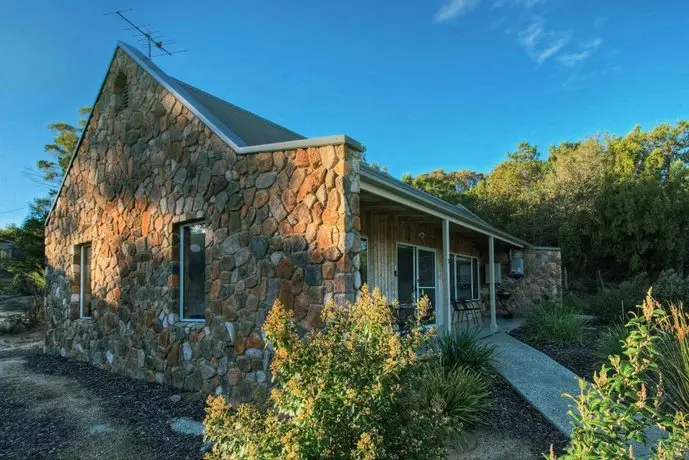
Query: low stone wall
{"x":542,"y":278}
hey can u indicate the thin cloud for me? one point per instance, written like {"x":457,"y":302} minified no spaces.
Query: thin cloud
{"x":518,"y":3}
{"x":540,"y":44}
{"x":599,"y":21}
{"x":453,"y":9}
{"x":588,"y":49}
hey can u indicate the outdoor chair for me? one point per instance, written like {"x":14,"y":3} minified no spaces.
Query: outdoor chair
{"x":466,"y":310}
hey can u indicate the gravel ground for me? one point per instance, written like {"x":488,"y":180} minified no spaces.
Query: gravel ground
{"x":579,"y":358}
{"x":513,"y":429}
{"x":54,"y":408}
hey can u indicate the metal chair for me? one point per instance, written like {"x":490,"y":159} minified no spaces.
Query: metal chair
{"x":471,"y":309}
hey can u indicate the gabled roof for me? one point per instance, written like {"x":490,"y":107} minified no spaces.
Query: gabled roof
{"x":249,"y":127}
{"x":242,"y":130}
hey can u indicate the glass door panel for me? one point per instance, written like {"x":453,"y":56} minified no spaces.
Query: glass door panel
{"x":406,"y":285}
{"x":426,"y":279}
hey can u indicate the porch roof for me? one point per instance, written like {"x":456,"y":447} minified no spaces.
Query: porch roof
{"x":383,"y":184}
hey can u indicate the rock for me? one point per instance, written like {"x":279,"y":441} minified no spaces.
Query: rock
{"x":265,"y":180}
{"x":175,"y":399}
{"x":187,"y":426}
{"x":259,"y":246}
{"x":102,"y":428}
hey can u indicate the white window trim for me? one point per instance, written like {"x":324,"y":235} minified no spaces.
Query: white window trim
{"x":82,"y":273}
{"x":436,"y":277}
{"x":181,"y":274}
{"x":454,"y":256}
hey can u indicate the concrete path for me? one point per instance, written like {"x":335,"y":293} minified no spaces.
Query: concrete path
{"x":537,"y":377}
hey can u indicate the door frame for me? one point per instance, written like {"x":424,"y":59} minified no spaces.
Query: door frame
{"x":416,"y":248}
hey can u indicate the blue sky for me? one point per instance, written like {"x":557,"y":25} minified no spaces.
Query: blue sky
{"x":423,"y":84}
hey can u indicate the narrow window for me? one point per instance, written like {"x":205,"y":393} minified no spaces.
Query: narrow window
{"x":85,"y":281}
{"x":363,"y":260}
{"x":464,"y":278}
{"x":192,"y":263}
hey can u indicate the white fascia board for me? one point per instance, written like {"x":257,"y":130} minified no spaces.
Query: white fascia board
{"x":401,"y":196}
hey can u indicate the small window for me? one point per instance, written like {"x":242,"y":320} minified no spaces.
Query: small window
{"x":363,"y":260}
{"x":85,"y":281}
{"x":192,"y":271}
{"x":121,"y":91}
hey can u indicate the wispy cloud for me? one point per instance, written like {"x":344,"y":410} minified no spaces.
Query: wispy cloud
{"x":540,"y":44}
{"x":587,"y":50}
{"x":454,"y":8}
{"x":599,"y":21}
{"x":518,"y":3}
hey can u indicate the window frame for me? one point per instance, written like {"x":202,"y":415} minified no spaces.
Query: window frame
{"x":82,"y":273}
{"x":475,"y":283}
{"x":436,"y":277}
{"x":180,"y":235}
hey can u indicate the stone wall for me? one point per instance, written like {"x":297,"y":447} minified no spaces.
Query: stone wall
{"x":279,"y":224}
{"x":542,"y":278}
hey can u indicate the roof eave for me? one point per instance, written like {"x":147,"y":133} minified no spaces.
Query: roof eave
{"x":449,"y":210}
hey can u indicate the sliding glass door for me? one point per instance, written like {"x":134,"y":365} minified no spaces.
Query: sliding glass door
{"x":416,"y":275}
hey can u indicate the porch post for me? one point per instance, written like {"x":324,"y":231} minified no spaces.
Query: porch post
{"x":446,"y":277}
{"x":491,"y":280}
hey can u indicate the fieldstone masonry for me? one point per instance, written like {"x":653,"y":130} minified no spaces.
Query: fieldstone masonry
{"x":542,"y":278}
{"x":279,"y":225}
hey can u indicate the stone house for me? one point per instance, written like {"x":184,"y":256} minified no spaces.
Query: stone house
{"x":182,"y":218}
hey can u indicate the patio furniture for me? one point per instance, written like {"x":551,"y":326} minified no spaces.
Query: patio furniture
{"x":469,"y":309}
{"x":404,"y":317}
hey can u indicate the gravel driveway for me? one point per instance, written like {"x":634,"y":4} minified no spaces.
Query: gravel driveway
{"x":54,"y":408}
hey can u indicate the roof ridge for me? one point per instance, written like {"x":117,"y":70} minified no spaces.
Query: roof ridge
{"x":219,"y":99}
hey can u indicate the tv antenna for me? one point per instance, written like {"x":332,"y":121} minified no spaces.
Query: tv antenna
{"x":152,"y":39}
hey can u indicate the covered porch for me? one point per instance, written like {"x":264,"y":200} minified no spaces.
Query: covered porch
{"x":412,"y":248}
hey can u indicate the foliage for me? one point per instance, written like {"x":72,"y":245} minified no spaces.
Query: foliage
{"x":551,"y":321}
{"x":673,"y":358}
{"x":462,"y":394}
{"x":462,"y":349}
{"x":619,"y":408}
{"x":62,"y":147}
{"x":617,"y":205}
{"x":670,"y":287}
{"x":346,"y":391}
{"x":610,"y":341}
{"x":450,"y":186}
{"x":26,"y":269}
{"x":613,"y":301}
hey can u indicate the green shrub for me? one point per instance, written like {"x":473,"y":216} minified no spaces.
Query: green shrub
{"x":346,"y":391}
{"x":460,"y":393}
{"x":612,"y":303}
{"x":552,"y":322}
{"x":619,"y":408}
{"x":670,"y":287}
{"x":611,"y":341}
{"x":462,"y":349}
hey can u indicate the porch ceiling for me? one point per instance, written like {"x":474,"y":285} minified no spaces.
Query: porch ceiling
{"x":378,"y":205}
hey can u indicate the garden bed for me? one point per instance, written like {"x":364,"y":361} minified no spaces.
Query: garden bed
{"x":579,"y":358}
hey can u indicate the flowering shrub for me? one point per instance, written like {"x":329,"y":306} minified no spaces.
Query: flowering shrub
{"x":618,"y":413}
{"x":344,"y":391}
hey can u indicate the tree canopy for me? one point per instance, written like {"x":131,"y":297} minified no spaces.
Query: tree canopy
{"x":614,"y":204}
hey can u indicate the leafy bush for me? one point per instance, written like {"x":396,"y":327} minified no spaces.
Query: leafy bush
{"x":611,"y":341}
{"x":462,"y":349}
{"x":346,"y":391}
{"x":670,"y":287}
{"x":461,"y":394}
{"x":619,"y":408}
{"x":612,"y":303}
{"x":552,"y":322}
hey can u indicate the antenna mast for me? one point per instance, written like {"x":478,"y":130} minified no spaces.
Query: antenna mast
{"x":152,"y":39}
